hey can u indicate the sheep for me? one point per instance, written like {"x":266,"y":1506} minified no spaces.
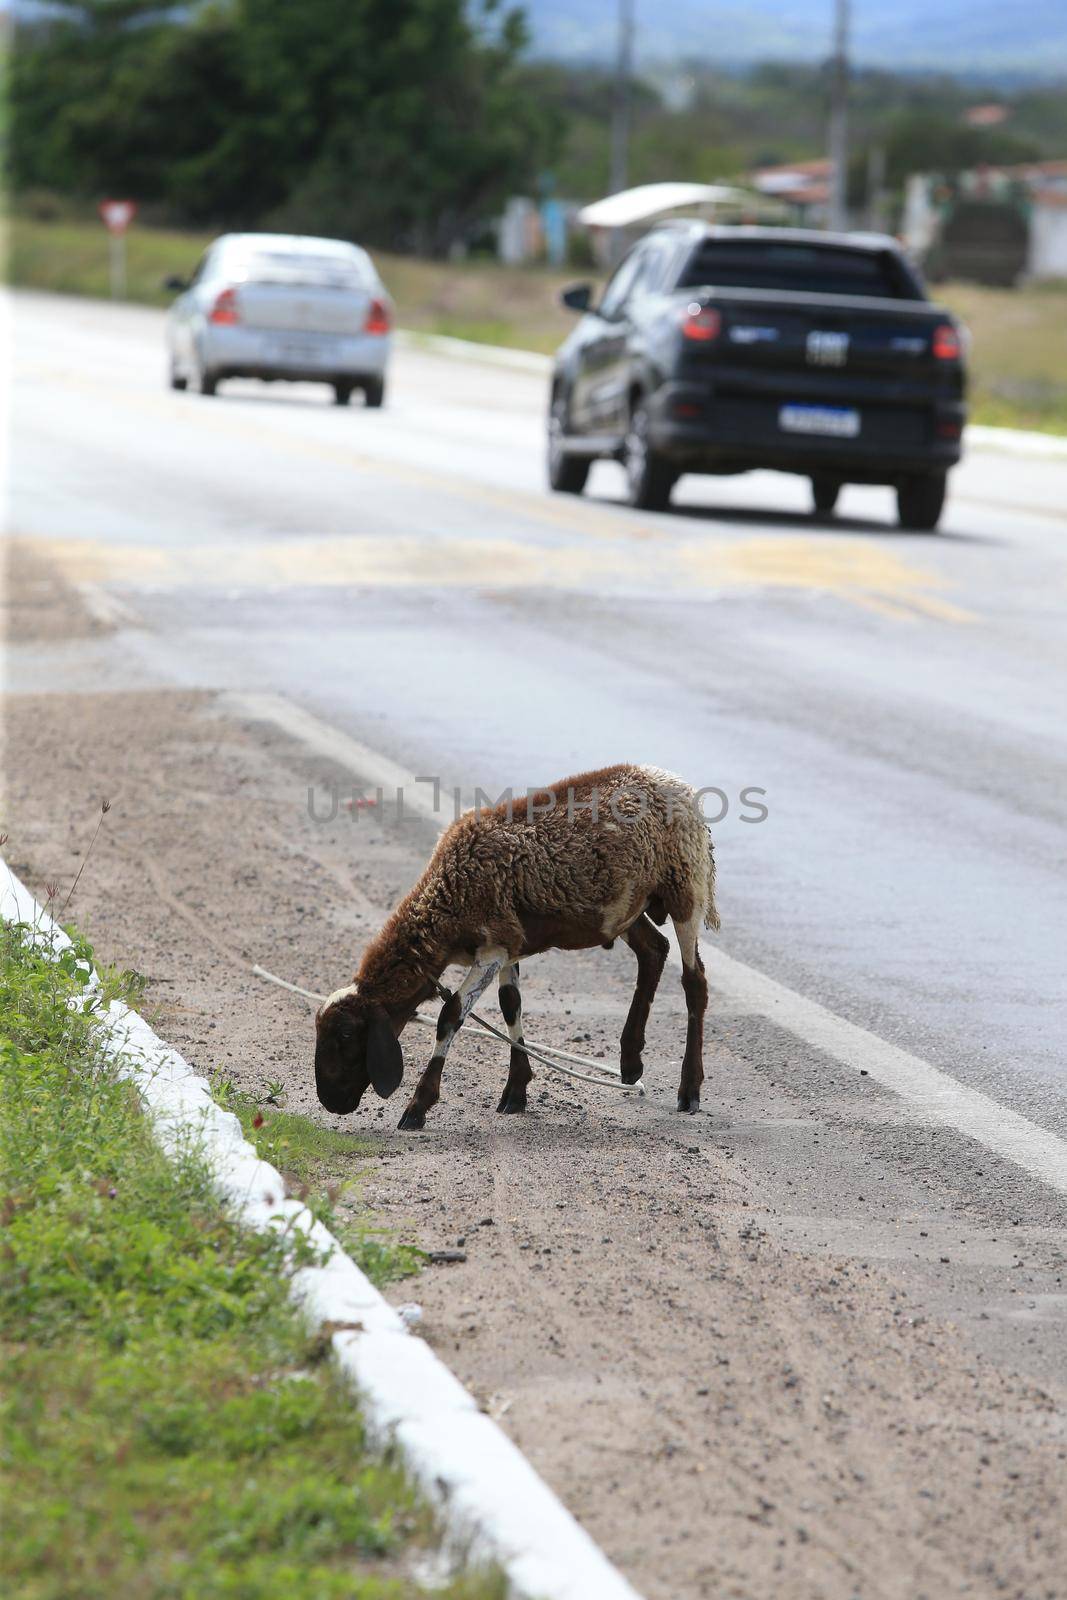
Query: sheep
{"x":601,"y":856}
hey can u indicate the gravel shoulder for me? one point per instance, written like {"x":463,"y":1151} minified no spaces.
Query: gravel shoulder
{"x":794,"y":1346}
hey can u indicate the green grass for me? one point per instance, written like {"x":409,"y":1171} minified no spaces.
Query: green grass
{"x":480,"y":301}
{"x":168,"y":1427}
{"x":317,"y":1165}
{"x":1018,"y":356}
{"x":71,"y":257}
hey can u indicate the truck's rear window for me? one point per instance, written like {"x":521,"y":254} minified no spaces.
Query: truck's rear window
{"x":808,"y":268}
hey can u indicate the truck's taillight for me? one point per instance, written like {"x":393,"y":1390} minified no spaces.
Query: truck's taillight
{"x":701,"y":323}
{"x":378,"y":318}
{"x":946,"y":344}
{"x":225,"y":307}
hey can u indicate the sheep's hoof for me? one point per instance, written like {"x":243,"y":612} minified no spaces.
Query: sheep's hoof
{"x":631,"y":1071}
{"x":688,"y":1102}
{"x":512,"y":1101}
{"x":413,"y":1120}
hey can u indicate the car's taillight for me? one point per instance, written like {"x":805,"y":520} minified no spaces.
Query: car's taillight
{"x":701,"y":323}
{"x":225,"y":307}
{"x":946,"y":343}
{"x":378,"y":318}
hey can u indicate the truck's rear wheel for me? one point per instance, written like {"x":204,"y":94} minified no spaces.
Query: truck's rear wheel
{"x":566,"y":473}
{"x":649,"y":477}
{"x":824,"y":493}
{"x":920,"y":501}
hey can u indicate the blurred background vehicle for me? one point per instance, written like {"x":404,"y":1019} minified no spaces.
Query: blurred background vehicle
{"x":719,"y":350}
{"x":282,"y":306}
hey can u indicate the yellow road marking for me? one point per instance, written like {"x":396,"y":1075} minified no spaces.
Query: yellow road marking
{"x":862,"y":574}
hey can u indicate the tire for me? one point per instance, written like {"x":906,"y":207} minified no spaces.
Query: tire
{"x":566,"y":474}
{"x":374,"y":392}
{"x":342,"y":394}
{"x":920,"y":501}
{"x":176,"y":380}
{"x":649,"y":477}
{"x":824,"y":493}
{"x":206,"y":382}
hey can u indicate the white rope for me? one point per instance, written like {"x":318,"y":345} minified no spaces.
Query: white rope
{"x":610,"y":1077}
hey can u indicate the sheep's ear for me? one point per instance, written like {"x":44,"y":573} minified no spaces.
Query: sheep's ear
{"x":385,"y":1059}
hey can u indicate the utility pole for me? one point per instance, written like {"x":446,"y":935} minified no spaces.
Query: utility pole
{"x":876,"y":188}
{"x":620,"y":114}
{"x":838,"y":209}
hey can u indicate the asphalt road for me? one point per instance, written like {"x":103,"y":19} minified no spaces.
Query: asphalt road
{"x":809,"y":1344}
{"x":405,"y":576}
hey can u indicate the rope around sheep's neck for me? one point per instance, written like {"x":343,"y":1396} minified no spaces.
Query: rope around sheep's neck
{"x":609,"y":1076}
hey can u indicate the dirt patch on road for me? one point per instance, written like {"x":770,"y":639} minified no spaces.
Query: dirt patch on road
{"x":729,"y":1411}
{"x":37,"y":601}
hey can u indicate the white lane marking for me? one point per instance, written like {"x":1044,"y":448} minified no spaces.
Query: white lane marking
{"x":937,"y":1095}
{"x":106,"y":608}
{"x":374,"y":769}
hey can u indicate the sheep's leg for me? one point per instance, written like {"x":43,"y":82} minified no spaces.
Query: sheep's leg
{"x":520,"y":1072}
{"x":650,"y":948}
{"x":696,"y":999}
{"x":454,"y":1013}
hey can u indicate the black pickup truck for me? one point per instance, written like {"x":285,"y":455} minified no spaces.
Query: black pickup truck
{"x":720,"y":349}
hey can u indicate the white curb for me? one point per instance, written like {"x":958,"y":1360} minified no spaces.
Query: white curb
{"x":1016,"y":441}
{"x":494,"y":355}
{"x":491,"y":1501}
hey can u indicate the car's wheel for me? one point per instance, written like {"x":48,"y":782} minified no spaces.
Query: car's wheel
{"x":342,"y":393}
{"x":649,"y":477}
{"x":176,"y":380}
{"x":920,"y":501}
{"x":374,"y":391}
{"x":206,"y":381}
{"x":567,"y":474}
{"x":824,"y":493}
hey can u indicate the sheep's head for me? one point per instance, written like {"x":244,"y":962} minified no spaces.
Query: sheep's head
{"x":355,"y":1045}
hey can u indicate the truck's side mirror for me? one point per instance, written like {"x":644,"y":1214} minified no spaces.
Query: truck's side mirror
{"x":577,"y":296}
{"x":178,"y":285}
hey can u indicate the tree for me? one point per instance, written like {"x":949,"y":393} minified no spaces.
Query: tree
{"x":399,"y":122}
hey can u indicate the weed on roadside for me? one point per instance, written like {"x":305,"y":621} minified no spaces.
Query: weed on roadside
{"x":316,"y":1163}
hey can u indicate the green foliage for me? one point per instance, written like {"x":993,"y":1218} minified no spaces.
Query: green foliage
{"x":729,"y":123}
{"x":924,"y":139}
{"x":168,"y":1428}
{"x":70,"y":256}
{"x":317,"y":1164}
{"x":394,"y":121}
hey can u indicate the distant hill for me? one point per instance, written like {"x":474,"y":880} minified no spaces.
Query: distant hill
{"x":952,"y":36}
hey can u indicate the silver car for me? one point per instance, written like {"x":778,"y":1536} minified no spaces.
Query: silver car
{"x":282,"y":306}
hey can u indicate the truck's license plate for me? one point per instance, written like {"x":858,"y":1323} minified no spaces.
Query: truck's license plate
{"x":838,"y":422}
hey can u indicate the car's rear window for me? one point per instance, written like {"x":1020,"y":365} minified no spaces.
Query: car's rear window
{"x":809,"y":268}
{"x":304,"y":269}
